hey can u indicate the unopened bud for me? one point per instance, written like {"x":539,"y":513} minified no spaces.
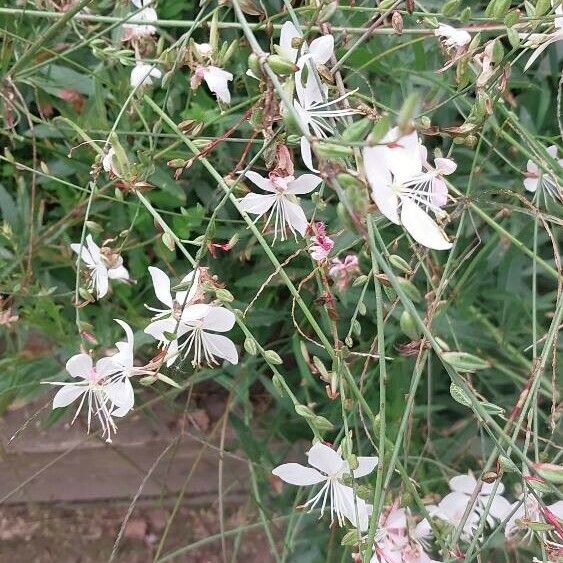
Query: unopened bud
{"x":272,"y":357}
{"x":177,"y":163}
{"x":327,"y":12}
{"x":550,"y":472}
{"x":224,"y":295}
{"x":397,"y":22}
{"x":333,"y":150}
{"x":281,"y":65}
{"x":254,"y":64}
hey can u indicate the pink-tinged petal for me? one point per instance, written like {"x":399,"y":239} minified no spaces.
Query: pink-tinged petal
{"x":220,"y":346}
{"x":79,"y":365}
{"x":325,"y":459}
{"x":445,"y":166}
{"x":322,"y":49}
{"x":217,"y":80}
{"x":161,"y":284}
{"x":294,"y":216}
{"x":305,"y":184}
{"x":194,"y":313}
{"x":422,"y":228}
{"x":532,"y":167}
{"x":119,"y":273}
{"x":287,"y":34}
{"x":306,"y":154}
{"x":463,"y":484}
{"x":157,"y":328}
{"x":531,"y":184}
{"x":379,"y":179}
{"x":219,"y":319}
{"x":365,"y":466}
{"x":257,"y":204}
{"x":122,"y":396}
{"x":107,"y":366}
{"x":439,"y":192}
{"x":67,"y":395}
{"x":193,"y":278}
{"x":263,"y":183}
{"x":101,"y":281}
{"x":297,"y":474}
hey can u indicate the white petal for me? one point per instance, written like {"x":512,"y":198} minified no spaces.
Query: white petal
{"x":325,"y":459}
{"x":193,"y":278}
{"x":463,"y":484}
{"x":107,"y":366}
{"x":220,"y":346}
{"x":445,"y":166}
{"x":439,"y":192}
{"x":422,"y":227}
{"x":304,"y":184}
{"x":552,"y":151}
{"x":306,"y":154}
{"x":79,"y":365}
{"x":161,"y":284}
{"x":128,"y":331}
{"x":94,"y":249}
{"x":68,"y":394}
{"x":352,"y":507}
{"x":500,"y":507}
{"x":121,"y":394}
{"x":379,"y":178}
{"x":257,"y":204}
{"x":119,"y":273}
{"x":85,"y":255}
{"x":287,"y":34}
{"x":297,"y":474}
{"x":402,"y":154}
{"x":195,"y":312}
{"x":219,"y":319}
{"x":322,"y":49}
{"x":531,"y":184}
{"x":101,"y":281}
{"x":157,"y":328}
{"x":263,"y":183}
{"x":217,"y":80}
{"x":365,"y":466}
{"x":172,"y":353}
{"x":295,"y":217}
{"x":557,"y":509}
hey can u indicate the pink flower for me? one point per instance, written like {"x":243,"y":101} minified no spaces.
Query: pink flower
{"x":321,"y":244}
{"x":342,"y":272}
{"x":216,"y":79}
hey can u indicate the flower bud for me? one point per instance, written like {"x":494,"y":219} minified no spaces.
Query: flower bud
{"x":400,"y":263}
{"x":327,"y":12}
{"x":397,"y":22}
{"x":281,"y":65}
{"x":331,"y":150}
{"x":550,"y":472}
{"x":305,"y":411}
{"x":224,"y":295}
{"x":357,"y":131}
{"x":250,"y":346}
{"x":408,"y":326}
{"x":322,"y":424}
{"x":272,"y":357}
{"x":254,"y":64}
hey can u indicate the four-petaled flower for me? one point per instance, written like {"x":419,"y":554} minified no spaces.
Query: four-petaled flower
{"x":104,"y":387}
{"x":328,"y":468}
{"x":216,"y":79}
{"x":103,"y":265}
{"x":452,"y":37}
{"x":281,"y":201}
{"x":403,"y":192}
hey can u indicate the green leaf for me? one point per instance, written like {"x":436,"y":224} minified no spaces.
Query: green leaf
{"x":464,"y":361}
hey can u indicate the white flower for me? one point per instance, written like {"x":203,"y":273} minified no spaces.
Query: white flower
{"x":143,"y":74}
{"x":403,"y":192}
{"x":281,"y":202}
{"x":103,"y":266}
{"x":541,"y":41}
{"x":451,"y":510}
{"x":466,"y":485}
{"x":108,"y":162}
{"x":536,"y":178}
{"x":458,"y":38}
{"x":216,"y":79}
{"x":528,"y":509}
{"x":328,"y":468}
{"x":105,"y":387}
{"x":167,"y":320}
{"x":147,"y":16}
{"x":199,"y":326}
{"x":306,"y":57}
